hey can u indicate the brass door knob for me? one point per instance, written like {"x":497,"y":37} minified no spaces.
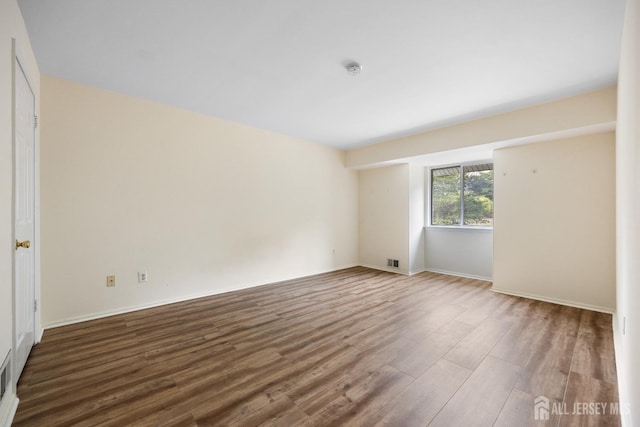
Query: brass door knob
{"x":24,"y":244}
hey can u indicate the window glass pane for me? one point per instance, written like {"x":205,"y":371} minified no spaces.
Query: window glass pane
{"x":478,"y":195}
{"x":445,"y":196}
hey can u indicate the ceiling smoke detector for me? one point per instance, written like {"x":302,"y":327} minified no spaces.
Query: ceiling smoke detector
{"x":353,"y":68}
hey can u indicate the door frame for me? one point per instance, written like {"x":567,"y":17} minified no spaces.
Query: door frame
{"x":18,"y":59}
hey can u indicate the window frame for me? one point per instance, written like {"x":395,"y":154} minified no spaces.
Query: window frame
{"x":461,"y":166}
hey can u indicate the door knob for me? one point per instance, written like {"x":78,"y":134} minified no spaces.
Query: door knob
{"x":24,"y":244}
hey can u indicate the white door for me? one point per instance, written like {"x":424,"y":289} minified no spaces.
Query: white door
{"x":24,"y":219}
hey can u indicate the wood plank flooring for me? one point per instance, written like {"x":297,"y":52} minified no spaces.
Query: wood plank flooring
{"x":354,"y":347}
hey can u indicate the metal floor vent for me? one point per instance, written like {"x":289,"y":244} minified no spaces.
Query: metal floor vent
{"x":4,"y":376}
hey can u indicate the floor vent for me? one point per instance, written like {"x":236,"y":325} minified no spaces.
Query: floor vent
{"x":5,"y":370}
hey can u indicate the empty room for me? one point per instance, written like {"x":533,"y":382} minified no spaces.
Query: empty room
{"x":297,"y":213}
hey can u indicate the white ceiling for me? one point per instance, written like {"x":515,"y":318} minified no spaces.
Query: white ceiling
{"x":279,"y":64}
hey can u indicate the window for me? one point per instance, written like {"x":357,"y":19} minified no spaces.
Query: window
{"x":462,"y":195}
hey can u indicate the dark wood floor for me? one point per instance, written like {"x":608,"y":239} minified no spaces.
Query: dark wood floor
{"x":354,"y":347}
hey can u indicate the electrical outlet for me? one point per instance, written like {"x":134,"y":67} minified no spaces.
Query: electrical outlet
{"x":111,"y":281}
{"x":143,"y":277}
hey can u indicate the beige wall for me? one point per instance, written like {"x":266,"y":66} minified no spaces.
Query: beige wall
{"x":11,"y":26}
{"x":554,"y":231}
{"x":460,"y":251}
{"x":627,"y":318}
{"x":581,"y":113}
{"x":202,"y":204}
{"x":416,"y":218}
{"x":384,"y":217}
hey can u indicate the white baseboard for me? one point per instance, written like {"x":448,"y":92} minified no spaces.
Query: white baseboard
{"x":387,"y":269}
{"x":109,"y":313}
{"x":411,"y":273}
{"x":454,"y":273}
{"x":555,"y":301}
{"x":393,"y":270}
{"x":6,"y":418}
{"x":130,"y":309}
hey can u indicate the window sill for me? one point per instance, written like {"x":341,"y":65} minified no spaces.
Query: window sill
{"x":457,"y":227}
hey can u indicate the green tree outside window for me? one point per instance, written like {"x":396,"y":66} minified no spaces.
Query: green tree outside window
{"x":462,"y":195}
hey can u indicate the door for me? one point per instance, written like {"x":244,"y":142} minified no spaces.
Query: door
{"x":24,"y":218}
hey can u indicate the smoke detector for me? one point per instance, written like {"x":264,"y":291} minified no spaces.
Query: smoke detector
{"x":353,"y":68}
